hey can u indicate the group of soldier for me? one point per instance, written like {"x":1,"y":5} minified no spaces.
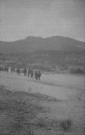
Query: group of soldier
{"x":4,"y":69}
{"x":27,"y":72}
{"x":30,"y":73}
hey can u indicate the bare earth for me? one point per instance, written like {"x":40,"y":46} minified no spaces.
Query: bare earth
{"x":62,"y":96}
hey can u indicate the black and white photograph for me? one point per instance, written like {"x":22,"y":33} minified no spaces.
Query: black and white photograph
{"x":42,"y":67}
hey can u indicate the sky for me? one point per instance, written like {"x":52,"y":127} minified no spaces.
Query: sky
{"x":43,"y":18}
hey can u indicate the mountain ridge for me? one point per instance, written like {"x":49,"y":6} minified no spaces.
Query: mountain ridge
{"x":30,"y":44}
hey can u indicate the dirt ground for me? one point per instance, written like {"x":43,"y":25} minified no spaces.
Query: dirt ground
{"x":57,"y":104}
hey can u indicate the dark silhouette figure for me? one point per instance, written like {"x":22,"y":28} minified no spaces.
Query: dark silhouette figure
{"x":29,"y":72}
{"x":25,"y":72}
{"x":18,"y":71}
{"x":6,"y":69}
{"x":12,"y":69}
{"x":37,"y":75}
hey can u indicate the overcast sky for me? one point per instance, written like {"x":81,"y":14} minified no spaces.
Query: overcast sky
{"x":22,"y":18}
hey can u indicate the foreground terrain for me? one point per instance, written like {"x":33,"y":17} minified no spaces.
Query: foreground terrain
{"x":55,"y":105}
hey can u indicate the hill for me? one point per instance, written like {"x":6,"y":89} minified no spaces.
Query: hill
{"x":31,"y":44}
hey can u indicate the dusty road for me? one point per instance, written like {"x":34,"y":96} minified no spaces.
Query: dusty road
{"x":69,"y":90}
{"x":60,"y":85}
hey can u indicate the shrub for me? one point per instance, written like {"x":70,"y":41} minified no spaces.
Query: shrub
{"x":76,"y":70}
{"x":66,"y":124}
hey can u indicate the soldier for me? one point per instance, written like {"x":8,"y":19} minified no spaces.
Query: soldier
{"x":12,"y":69}
{"x":36,"y":73}
{"x":25,"y":72}
{"x":6,"y":68}
{"x":31,"y":74}
{"x":18,"y":71}
{"x":39,"y":75}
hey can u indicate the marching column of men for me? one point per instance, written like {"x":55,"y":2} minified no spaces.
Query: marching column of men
{"x":30,"y":73}
{"x":36,"y":74}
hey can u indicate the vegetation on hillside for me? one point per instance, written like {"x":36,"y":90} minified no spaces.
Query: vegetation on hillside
{"x":58,"y":61}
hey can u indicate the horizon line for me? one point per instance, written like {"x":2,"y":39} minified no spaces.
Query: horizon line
{"x":41,"y":38}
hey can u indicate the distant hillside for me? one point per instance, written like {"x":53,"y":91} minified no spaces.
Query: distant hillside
{"x":37,"y":43}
